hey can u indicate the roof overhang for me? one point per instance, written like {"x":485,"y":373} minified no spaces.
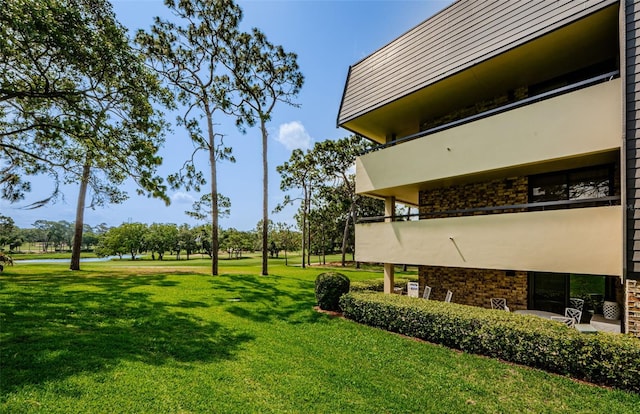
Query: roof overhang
{"x":582,"y":43}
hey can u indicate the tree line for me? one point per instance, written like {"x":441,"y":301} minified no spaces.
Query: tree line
{"x":134,"y":239}
{"x":45,"y":235}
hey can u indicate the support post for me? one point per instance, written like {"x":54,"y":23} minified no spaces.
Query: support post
{"x":389,"y":271}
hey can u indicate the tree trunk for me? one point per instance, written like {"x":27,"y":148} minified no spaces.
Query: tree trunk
{"x":77,"y":235}
{"x":304,"y":225}
{"x":214,"y":195}
{"x":265,"y":199}
{"x":324,"y":257}
{"x":309,"y":227}
{"x":345,"y":234}
{"x":309,"y":239}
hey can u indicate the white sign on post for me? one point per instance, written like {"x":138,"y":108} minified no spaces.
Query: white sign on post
{"x":412,"y":289}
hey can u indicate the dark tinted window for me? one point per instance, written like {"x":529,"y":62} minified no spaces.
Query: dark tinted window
{"x":585,"y":183}
{"x":592,"y":183}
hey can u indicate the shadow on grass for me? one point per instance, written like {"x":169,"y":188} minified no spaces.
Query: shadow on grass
{"x":266,"y":298}
{"x":52,"y":328}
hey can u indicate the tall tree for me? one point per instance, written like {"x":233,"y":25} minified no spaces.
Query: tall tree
{"x":264,"y":74}
{"x":55,"y":54}
{"x":76,"y":104}
{"x":325,"y":174}
{"x":300,"y":172}
{"x":187,"y":56}
{"x":123,"y":114}
{"x":47,"y":50}
{"x":321,"y":223}
{"x":337,"y":160}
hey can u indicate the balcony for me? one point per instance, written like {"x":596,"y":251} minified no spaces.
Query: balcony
{"x":581,"y":240}
{"x":573,"y":129}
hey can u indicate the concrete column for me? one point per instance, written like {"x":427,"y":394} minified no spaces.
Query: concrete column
{"x":389,"y":208}
{"x":389,"y":272}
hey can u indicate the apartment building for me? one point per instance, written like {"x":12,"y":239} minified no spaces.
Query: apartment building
{"x":513,"y":129}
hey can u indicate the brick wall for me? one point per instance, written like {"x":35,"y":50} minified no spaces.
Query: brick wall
{"x":477,"y":108}
{"x":633,"y":307}
{"x":475,"y":287}
{"x":503,"y":192}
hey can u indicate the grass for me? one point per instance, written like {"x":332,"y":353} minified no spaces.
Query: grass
{"x":47,"y":255}
{"x":150,"y":337}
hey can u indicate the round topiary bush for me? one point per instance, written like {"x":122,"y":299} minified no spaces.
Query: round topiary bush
{"x":329,"y":287}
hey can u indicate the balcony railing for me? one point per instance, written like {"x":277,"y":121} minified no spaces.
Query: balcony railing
{"x":523,"y":102}
{"x":514,"y":208}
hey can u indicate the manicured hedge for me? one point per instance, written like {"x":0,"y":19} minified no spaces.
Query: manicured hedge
{"x":606,"y":359}
{"x":377,"y":285}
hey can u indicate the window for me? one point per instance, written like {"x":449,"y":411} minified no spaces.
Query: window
{"x":551,"y":291}
{"x":580,"y":184}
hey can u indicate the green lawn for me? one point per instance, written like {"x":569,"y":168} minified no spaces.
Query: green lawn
{"x":48,"y":255}
{"x":153,"y":337}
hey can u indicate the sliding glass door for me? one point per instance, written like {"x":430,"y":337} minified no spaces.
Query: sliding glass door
{"x":548,"y":291}
{"x":551,"y":291}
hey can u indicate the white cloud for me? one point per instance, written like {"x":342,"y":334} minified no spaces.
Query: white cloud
{"x":293,"y":135}
{"x":182,"y":198}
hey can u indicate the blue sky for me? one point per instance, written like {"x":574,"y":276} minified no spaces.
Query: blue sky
{"x":327,"y":36}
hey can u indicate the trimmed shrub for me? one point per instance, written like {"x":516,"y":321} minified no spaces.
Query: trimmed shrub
{"x":377,"y":285}
{"x":602,"y":358}
{"x":329,"y":287}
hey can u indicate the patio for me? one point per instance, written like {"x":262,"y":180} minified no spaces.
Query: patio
{"x":597,"y":322}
